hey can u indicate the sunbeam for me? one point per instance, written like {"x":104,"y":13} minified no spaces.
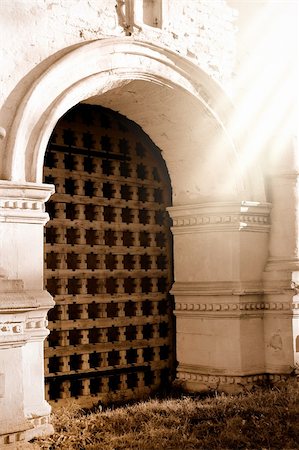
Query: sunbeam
{"x":265,"y":93}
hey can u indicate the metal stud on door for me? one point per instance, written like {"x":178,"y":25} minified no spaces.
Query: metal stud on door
{"x":107,"y":260}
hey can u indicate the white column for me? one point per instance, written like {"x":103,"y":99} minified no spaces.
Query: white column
{"x":220,"y":250}
{"x":23,"y":308}
{"x":281,"y":277}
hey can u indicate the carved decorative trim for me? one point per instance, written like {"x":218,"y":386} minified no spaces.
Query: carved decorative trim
{"x":12,"y":333}
{"x":254,"y":291}
{"x":234,"y":307}
{"x":186,"y":372}
{"x":209,"y":217}
{"x":40,"y":421}
{"x":22,"y":314}
{"x":24,"y":203}
{"x":15,"y":334}
{"x":216,"y":380}
{"x":10,"y":328}
{"x":12,"y":438}
{"x":36,"y":329}
{"x":36,"y":324}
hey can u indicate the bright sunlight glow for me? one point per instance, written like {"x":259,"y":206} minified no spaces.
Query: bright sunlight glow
{"x":266,"y":92}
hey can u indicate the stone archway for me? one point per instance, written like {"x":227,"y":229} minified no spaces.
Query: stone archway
{"x":220,"y":218}
{"x":116,"y":66}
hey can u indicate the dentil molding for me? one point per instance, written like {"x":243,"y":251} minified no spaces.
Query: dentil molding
{"x":22,"y":314}
{"x":197,"y":298}
{"x":181,"y":307}
{"x":24,"y":203}
{"x":188,"y":373}
{"x":225,"y":216}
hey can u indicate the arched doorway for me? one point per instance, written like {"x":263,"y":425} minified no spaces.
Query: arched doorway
{"x":108,"y":260}
{"x":220,"y":218}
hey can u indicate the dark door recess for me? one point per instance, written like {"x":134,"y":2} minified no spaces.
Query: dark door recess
{"x":107,"y":260}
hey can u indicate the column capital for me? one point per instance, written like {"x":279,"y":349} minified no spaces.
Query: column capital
{"x":241,"y":216}
{"x":22,"y":314}
{"x":24,"y":202}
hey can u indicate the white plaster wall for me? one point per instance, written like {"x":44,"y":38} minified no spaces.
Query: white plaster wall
{"x":225,"y":256}
{"x":279,"y":333}
{"x":202,"y":30}
{"x":33,"y":373}
{"x":214,"y":346}
{"x":227,"y":345}
{"x":251,"y":344}
{"x":21,"y":255}
{"x":32,"y":32}
{"x":11,"y":407}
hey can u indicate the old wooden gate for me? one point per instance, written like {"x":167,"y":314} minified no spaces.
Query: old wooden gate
{"x":107,"y":260}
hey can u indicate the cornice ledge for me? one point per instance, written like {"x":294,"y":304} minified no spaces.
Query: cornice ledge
{"x":282,"y":264}
{"x":190,"y":299}
{"x":20,"y":216}
{"x":35,"y":192}
{"x":24,"y":301}
{"x":221,"y":216}
{"x":214,"y":288}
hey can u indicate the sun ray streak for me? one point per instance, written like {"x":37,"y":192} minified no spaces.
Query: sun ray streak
{"x":266,"y":85}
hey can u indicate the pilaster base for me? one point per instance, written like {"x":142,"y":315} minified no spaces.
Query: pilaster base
{"x":41,"y":427}
{"x":24,"y":412}
{"x":12,"y":434}
{"x":190,"y":378}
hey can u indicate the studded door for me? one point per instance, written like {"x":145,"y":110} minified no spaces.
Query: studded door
{"x":107,"y":260}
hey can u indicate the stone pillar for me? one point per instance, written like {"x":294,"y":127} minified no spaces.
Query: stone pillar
{"x":23,"y":308}
{"x":281,"y":277}
{"x":220,"y":251}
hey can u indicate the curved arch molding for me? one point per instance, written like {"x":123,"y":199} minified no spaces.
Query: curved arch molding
{"x":93,"y":69}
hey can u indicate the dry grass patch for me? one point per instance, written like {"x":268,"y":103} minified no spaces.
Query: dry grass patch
{"x":264,"y":419}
